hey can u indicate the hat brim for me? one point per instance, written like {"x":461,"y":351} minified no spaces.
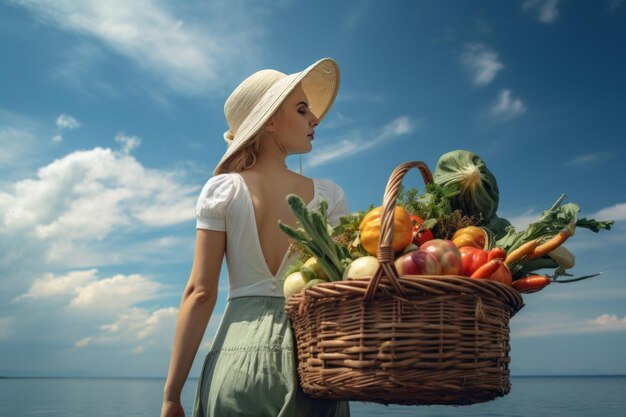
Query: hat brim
{"x":320,"y":83}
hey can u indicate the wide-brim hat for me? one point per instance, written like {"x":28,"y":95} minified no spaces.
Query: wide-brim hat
{"x":256,"y":99}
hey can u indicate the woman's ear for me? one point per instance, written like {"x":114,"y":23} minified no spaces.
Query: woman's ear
{"x":271,"y":124}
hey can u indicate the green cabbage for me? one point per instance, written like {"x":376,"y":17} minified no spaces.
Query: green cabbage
{"x":469,"y":175}
{"x":498,"y":226}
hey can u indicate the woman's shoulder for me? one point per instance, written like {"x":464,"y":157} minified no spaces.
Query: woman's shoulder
{"x":221,"y":186}
{"x":228,"y":179}
{"x":329,"y":189}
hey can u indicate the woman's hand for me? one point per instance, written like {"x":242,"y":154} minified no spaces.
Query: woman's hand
{"x":172,"y":408}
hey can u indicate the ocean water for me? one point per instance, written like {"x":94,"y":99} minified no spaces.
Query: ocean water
{"x":558,"y":396}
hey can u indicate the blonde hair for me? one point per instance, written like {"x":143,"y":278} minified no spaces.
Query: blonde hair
{"x":246,"y":157}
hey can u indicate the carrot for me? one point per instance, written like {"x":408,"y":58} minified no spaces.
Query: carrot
{"x":531,"y":283}
{"x":520,"y":252}
{"x":487,"y":269}
{"x":547,"y":247}
{"x":496,"y":253}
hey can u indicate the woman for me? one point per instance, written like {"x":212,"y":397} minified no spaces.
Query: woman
{"x":250,"y":369}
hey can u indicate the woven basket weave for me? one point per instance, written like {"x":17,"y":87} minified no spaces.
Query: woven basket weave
{"x":415,"y":340}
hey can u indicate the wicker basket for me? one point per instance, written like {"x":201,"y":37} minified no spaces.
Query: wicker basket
{"x":415,"y":340}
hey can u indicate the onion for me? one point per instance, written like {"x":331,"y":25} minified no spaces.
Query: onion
{"x":293,"y":283}
{"x":363,"y":267}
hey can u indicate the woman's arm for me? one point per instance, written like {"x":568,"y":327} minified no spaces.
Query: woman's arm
{"x":196,"y":307}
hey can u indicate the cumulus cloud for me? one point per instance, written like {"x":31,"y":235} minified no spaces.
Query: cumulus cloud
{"x":507,"y":107}
{"x":482,"y":62}
{"x":140,"y":330}
{"x":533,"y":325}
{"x":85,"y":291}
{"x":64,"y":121}
{"x":357,"y":142}
{"x":137,"y":328}
{"x":190,"y":58}
{"x":67,"y":122}
{"x":546,"y":11}
{"x":83,"y":309}
{"x":86,"y":194}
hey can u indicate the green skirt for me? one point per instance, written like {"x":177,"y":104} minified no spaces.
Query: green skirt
{"x":250,"y":369}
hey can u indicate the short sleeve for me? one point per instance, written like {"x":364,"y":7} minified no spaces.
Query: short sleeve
{"x":214,"y":201}
{"x":340,"y":207}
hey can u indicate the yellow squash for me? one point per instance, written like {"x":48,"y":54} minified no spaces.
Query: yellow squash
{"x":370,"y":230}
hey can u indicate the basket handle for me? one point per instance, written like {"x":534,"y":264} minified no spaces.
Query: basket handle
{"x":385,"y":254}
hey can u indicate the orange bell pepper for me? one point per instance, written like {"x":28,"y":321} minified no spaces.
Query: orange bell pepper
{"x":370,"y":230}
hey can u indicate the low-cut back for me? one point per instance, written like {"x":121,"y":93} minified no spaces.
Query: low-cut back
{"x":251,"y":366}
{"x":273,"y":232}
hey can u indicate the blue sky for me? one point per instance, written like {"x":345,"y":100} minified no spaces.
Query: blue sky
{"x":111,"y":121}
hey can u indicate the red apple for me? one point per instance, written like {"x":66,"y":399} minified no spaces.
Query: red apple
{"x":418,"y":262}
{"x":448,"y":255}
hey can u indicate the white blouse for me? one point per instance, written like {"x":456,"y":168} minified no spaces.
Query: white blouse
{"x":225,"y":204}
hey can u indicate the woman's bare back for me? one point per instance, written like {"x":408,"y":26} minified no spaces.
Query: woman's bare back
{"x":270,"y":205}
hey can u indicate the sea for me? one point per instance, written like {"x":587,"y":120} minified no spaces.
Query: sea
{"x":554,"y":396}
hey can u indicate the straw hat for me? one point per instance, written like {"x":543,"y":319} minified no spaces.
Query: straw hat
{"x":257,"y":97}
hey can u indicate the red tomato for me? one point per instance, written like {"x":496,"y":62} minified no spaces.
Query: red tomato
{"x":420,"y":235}
{"x":473,"y":258}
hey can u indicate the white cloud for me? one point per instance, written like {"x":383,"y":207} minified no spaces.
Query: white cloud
{"x":533,"y":325}
{"x":114,"y":293}
{"x":57,"y":138}
{"x":482,"y":62}
{"x":590,"y":158}
{"x":615,"y":212}
{"x":51,"y":286}
{"x":67,"y":122}
{"x":348,"y":146}
{"x":609,"y":322}
{"x":136,"y":327}
{"x":86,"y":292}
{"x":82,"y":309}
{"x":140,"y":330}
{"x":507,"y":107}
{"x":545,"y":10}
{"x":339,"y":150}
{"x":189,"y":56}
{"x":88,"y":209}
{"x":86,"y":194}
{"x":128,"y":142}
